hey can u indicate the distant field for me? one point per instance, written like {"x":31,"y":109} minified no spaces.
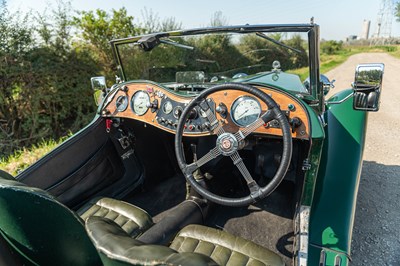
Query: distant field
{"x":329,"y":62}
{"x":27,"y":156}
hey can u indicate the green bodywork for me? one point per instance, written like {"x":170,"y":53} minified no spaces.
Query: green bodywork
{"x":34,"y":223}
{"x":333,"y":204}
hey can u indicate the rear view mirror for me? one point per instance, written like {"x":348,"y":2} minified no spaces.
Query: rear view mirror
{"x":98,"y":83}
{"x":367,"y":86}
{"x":99,"y":87}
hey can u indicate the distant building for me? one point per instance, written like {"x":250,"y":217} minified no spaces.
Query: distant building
{"x":351,"y":38}
{"x":365,"y":30}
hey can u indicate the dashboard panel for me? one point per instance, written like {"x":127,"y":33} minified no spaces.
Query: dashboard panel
{"x":160,"y":107}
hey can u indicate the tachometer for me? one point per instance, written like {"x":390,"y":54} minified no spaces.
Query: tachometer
{"x":245,"y":110}
{"x":140,"y":102}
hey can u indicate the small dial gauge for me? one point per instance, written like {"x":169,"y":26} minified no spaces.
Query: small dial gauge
{"x":121,"y":103}
{"x":245,"y":110}
{"x":140,"y":102}
{"x":177,"y":112}
{"x":167,"y":107}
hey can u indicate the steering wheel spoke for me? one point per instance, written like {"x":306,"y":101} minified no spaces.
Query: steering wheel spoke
{"x":265,"y":118}
{"x":238,"y":161}
{"x":212,"y":154}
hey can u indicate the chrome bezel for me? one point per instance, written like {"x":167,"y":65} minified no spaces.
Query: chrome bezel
{"x":124,"y":106}
{"x":237,"y":102}
{"x":163,"y":107}
{"x":133,"y":103}
{"x":176,"y":108}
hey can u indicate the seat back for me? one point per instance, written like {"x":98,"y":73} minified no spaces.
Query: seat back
{"x":42,"y":230}
{"x":117,"y":248}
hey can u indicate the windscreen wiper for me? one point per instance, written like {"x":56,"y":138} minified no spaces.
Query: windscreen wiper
{"x":147,"y":43}
{"x":264,"y":36}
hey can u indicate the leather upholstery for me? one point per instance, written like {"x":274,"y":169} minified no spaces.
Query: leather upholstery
{"x":116,"y":247}
{"x":222,"y":247}
{"x":195,"y":244}
{"x":133,"y":220}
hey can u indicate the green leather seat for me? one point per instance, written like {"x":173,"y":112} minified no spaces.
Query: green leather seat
{"x":133,"y":220}
{"x":45,"y":232}
{"x":193,"y":245}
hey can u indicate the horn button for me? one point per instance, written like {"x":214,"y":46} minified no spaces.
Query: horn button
{"x":227,"y":144}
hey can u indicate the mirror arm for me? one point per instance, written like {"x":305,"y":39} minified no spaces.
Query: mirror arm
{"x":342,"y":100}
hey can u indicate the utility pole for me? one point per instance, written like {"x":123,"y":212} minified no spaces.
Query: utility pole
{"x":384,"y":22}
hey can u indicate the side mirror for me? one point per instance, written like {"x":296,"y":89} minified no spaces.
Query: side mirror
{"x":99,"y":87}
{"x":326,"y":83}
{"x":367,"y":86}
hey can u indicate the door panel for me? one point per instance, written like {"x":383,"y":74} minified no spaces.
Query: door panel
{"x":86,"y":165}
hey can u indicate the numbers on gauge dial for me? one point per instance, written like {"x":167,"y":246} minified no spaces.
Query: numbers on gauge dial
{"x":167,"y":107}
{"x":245,"y":110}
{"x":140,"y":102}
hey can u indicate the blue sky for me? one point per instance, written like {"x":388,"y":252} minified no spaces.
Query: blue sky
{"x":337,"y":18}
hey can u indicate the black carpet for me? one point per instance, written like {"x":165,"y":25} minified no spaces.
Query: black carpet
{"x":268,"y":223}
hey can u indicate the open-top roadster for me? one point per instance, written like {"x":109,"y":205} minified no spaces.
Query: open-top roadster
{"x":207,"y":150}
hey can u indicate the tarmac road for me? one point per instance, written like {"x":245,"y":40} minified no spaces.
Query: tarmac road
{"x":376,"y":234}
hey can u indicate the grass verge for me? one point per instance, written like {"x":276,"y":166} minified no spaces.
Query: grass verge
{"x":329,"y":62}
{"x":21,"y":159}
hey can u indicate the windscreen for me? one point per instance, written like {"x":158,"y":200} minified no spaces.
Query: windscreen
{"x":212,"y":58}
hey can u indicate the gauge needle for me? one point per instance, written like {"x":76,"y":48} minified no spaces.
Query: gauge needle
{"x":242,"y":114}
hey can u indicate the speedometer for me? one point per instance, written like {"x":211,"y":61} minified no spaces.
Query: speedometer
{"x":245,"y":110}
{"x":140,"y":102}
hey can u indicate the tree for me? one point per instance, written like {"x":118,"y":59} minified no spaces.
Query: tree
{"x":397,"y":11}
{"x":151,"y":22}
{"x":218,"y":20}
{"x":98,"y":28}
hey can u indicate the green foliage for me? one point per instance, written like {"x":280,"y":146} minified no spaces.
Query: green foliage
{"x":397,"y":11}
{"x":98,"y":28}
{"x":331,"y":47}
{"x":44,"y":87}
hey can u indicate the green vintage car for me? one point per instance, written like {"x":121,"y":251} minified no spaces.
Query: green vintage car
{"x":209,"y":149}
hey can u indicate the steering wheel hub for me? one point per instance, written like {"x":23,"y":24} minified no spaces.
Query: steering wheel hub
{"x":227,"y":144}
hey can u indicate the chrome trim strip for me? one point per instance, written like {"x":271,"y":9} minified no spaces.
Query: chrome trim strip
{"x":322,"y":258}
{"x":302,"y":237}
{"x":343,"y":100}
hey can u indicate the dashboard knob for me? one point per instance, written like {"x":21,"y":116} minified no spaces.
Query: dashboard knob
{"x":206,"y":126}
{"x":193,"y":114}
{"x":222,"y":110}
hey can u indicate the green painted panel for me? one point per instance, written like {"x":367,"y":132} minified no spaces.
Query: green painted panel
{"x":333,"y":206}
{"x":42,"y":230}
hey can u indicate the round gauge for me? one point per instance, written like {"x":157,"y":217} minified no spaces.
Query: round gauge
{"x":167,"y":107}
{"x":140,"y":102}
{"x":245,"y":110}
{"x":121,"y":103}
{"x":177,"y":112}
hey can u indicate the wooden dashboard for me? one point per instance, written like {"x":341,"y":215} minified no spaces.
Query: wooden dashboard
{"x":163,"y":109}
